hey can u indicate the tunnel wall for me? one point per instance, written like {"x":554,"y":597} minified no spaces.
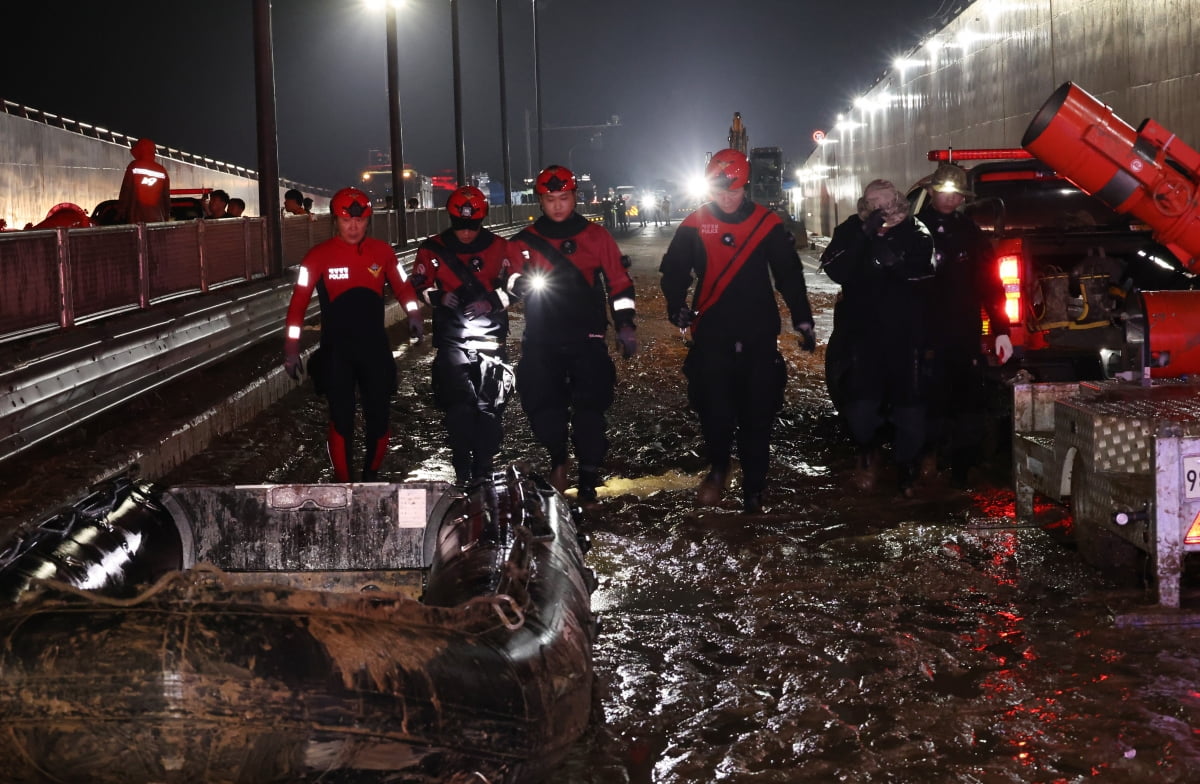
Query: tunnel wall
{"x":978,"y":81}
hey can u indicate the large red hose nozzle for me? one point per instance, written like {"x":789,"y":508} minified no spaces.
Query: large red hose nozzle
{"x":1147,"y":172}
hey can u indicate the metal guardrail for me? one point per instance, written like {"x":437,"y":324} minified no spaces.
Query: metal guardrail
{"x":60,"y":380}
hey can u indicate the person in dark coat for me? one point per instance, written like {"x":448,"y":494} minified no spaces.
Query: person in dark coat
{"x":571,"y":276}
{"x":733,"y":248}
{"x":966,"y":283}
{"x":884,"y":263}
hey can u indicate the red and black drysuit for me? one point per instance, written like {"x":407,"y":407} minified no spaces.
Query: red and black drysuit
{"x":569,"y":274}
{"x":881,"y":330}
{"x":471,"y":378}
{"x":735,"y":373}
{"x":966,"y":281}
{"x":355,"y":354}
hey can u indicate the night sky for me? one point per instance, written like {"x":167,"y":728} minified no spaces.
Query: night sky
{"x":673,"y":71}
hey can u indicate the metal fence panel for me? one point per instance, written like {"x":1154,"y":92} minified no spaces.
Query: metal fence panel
{"x":103,"y":270}
{"x":30,"y":297}
{"x":174,"y":254}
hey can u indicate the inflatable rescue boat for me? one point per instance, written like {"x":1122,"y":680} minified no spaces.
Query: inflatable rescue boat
{"x":334,"y":633}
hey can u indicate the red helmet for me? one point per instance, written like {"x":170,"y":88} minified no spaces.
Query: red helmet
{"x":467,"y":207}
{"x":554,"y":179}
{"x":350,"y":203}
{"x":728,"y":170}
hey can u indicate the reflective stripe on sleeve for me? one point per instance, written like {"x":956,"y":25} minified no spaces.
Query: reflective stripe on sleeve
{"x":624,"y":303}
{"x":503,"y":297}
{"x":412,"y":307}
{"x":293,"y":332}
{"x":302,"y":278}
{"x":400,"y":269}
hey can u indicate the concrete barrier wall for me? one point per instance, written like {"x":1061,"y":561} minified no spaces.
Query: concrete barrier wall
{"x":42,"y":164}
{"x":979,"y":81}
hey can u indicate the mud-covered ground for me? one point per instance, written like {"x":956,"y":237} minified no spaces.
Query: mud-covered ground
{"x":841,"y":636}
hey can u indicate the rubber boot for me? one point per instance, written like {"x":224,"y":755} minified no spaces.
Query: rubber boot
{"x":866,"y":472}
{"x":588,"y":482}
{"x":752,"y":503}
{"x":558,"y":477}
{"x":711,"y":488}
{"x":374,"y":458}
{"x":339,"y":454}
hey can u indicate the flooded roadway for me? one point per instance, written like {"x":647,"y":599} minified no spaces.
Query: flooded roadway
{"x":838,"y":637}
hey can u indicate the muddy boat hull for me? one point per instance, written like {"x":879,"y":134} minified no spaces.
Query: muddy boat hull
{"x":225,"y":676}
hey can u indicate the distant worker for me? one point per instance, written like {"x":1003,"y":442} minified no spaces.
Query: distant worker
{"x":965,"y":283}
{"x":355,"y":356}
{"x":218,"y":202}
{"x":308,"y":204}
{"x":883,"y":259}
{"x":664,"y":209}
{"x":570,"y":273}
{"x":622,"y":210}
{"x":293,"y":202}
{"x":734,"y":250}
{"x":236,"y":207}
{"x":146,"y":189}
{"x":460,"y":274}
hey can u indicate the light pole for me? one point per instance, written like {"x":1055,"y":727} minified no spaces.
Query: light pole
{"x":397,"y":136}
{"x":506,"y":163}
{"x":460,"y":149}
{"x":537,"y":86}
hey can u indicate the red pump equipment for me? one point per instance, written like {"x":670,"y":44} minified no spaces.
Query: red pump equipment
{"x":1148,"y":173}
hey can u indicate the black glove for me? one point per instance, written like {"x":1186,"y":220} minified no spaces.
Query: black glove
{"x":808,"y":338}
{"x":292,"y":363}
{"x":873,"y":223}
{"x":480,"y":307}
{"x":683,"y":319}
{"x":449,"y":300}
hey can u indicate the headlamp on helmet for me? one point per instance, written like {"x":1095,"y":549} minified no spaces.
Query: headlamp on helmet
{"x":350,"y":203}
{"x":553,"y":179}
{"x":728,"y":170}
{"x":949,"y":178}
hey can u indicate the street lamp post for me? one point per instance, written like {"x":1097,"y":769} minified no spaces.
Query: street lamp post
{"x":397,"y":136}
{"x":460,"y":149}
{"x":503,"y":110}
{"x":537,"y":86}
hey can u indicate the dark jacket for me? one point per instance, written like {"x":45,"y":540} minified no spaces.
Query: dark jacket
{"x":966,"y":281}
{"x":886,"y":282}
{"x":742,"y":304}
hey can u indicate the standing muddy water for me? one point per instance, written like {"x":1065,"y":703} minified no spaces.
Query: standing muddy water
{"x":840,"y":636}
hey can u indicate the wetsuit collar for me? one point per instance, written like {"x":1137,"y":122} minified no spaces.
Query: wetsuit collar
{"x":574,"y":224}
{"x":482,"y":240}
{"x":737,"y":216}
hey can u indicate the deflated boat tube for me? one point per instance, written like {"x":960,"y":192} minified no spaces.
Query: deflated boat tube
{"x":116,"y":538}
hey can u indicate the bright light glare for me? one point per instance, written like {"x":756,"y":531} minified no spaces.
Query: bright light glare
{"x":697,"y":187}
{"x":537,"y":281}
{"x":379,"y":5}
{"x":648,"y":201}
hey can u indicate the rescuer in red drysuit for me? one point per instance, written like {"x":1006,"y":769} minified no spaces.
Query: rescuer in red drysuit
{"x":348,"y":272}
{"x":146,"y":189}
{"x":570,"y":273}
{"x":460,"y":273}
{"x":736,"y":375}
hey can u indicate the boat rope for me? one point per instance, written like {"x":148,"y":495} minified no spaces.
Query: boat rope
{"x":503,"y":604}
{"x":160,"y":585}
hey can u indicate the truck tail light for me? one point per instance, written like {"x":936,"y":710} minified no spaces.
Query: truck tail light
{"x":1193,"y":534}
{"x":1010,"y":275}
